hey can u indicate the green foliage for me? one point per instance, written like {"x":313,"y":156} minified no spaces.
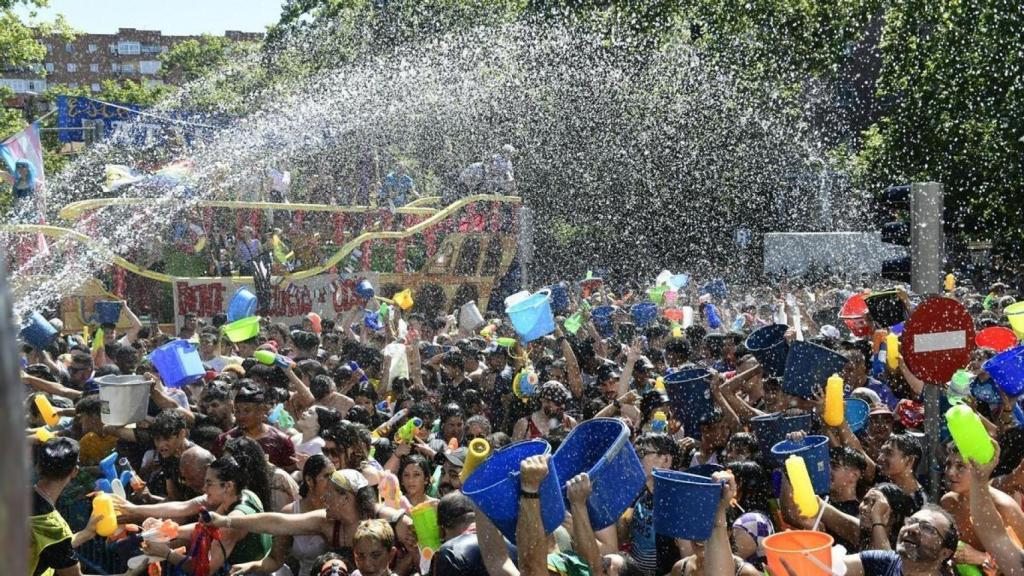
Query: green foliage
{"x":953,"y":76}
{"x":194,"y":59}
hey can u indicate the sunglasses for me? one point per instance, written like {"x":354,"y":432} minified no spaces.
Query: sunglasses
{"x":334,"y":568}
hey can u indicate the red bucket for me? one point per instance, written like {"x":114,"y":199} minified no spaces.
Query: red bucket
{"x":855,"y":314}
{"x":998,"y":338}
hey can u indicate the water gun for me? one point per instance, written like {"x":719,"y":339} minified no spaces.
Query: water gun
{"x":479,"y":450}
{"x":154,"y":530}
{"x":103,"y":506}
{"x":892,"y":351}
{"x":280,"y":417}
{"x":488,"y":332}
{"x":659,"y":423}
{"x":803,"y":492}
{"x":109,"y":466}
{"x":354,"y":366}
{"x":97,"y":341}
{"x":714,"y":322}
{"x":834,"y":407}
{"x":273,"y":359}
{"x":43,"y":435}
{"x":391,"y":492}
{"x":969,"y":434}
{"x":506,"y":342}
{"x":385,"y":428}
{"x":46,"y":410}
{"x":524,"y":385}
{"x":117,"y":489}
{"x":659,"y":384}
{"x":408,"y":430}
{"x":949,"y":283}
{"x":428,"y":533}
{"x":128,"y":476}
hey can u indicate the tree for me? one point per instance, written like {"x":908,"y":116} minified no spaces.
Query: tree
{"x":193,"y":59}
{"x":952,"y":78}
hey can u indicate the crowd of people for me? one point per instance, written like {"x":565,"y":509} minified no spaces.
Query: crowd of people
{"x":280,"y":469}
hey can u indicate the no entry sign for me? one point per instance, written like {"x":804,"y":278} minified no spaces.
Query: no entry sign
{"x":938,"y":339}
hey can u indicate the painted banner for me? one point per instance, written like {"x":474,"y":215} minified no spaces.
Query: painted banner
{"x":75,"y":112}
{"x":326,"y":295}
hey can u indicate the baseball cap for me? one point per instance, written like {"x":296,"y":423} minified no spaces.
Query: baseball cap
{"x":457,"y":457}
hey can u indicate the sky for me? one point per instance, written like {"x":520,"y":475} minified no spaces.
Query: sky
{"x":177,"y":17}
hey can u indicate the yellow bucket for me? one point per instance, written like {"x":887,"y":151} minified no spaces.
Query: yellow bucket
{"x":404,"y":299}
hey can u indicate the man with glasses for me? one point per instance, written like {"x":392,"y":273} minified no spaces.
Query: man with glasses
{"x":80,"y":372}
{"x":924,"y":546}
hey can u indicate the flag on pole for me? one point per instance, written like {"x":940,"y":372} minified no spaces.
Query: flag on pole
{"x":24,"y":145}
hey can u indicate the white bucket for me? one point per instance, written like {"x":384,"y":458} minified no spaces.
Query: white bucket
{"x":125,"y":399}
{"x":469,"y":316}
{"x":516,"y":298}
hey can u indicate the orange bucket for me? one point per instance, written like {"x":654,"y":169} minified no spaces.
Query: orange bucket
{"x":674,"y":314}
{"x":805,"y":552}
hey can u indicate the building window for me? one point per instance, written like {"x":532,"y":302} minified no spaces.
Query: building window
{"x":151,"y":49}
{"x":94,"y":67}
{"x":69,"y":48}
{"x":73,"y":85}
{"x":37,"y":85}
{"x":149,"y":66}
{"x":72,"y":67}
{"x":49,"y":49}
{"x":93,"y":48}
{"x":49,"y":66}
{"x":128,"y":48}
{"x":95,"y":87}
{"x":115,"y":67}
{"x":128,"y":68}
{"x":113,"y":48}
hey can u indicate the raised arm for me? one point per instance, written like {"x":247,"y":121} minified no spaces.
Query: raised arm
{"x":578,"y":490}
{"x":532,"y":544}
{"x":988,"y":525}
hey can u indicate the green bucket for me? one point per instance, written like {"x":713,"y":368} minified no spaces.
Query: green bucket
{"x":657,"y":294}
{"x":243,"y":329}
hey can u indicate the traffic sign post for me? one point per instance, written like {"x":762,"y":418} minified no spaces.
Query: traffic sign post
{"x":926,"y":251}
{"x":938,"y":339}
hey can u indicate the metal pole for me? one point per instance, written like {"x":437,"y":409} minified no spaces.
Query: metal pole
{"x":14,"y":477}
{"x":525,"y":245}
{"x":926,"y":251}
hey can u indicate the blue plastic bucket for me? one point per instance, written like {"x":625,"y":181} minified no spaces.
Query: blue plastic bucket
{"x":532,"y":317}
{"x":601,"y":448}
{"x":364,"y":289}
{"x":814,"y":451}
{"x":494,"y":488}
{"x":808,"y":366}
{"x":241,"y":305}
{"x":177,"y":363}
{"x":856,"y":413}
{"x":602,"y":317}
{"x":108,"y":312}
{"x":771,"y":429}
{"x":685,"y":505}
{"x":716,"y":288}
{"x":559,"y":297}
{"x":705,"y":470}
{"x":644,"y":313}
{"x":690,"y":394}
{"x":37,"y":331}
{"x":768,"y":344}
{"x":1007,"y":369}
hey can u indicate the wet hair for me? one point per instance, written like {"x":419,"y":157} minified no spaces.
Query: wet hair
{"x":658,"y":442}
{"x":746,"y":442}
{"x":249,"y":394}
{"x":451,"y":410}
{"x":320,"y":385}
{"x":310,"y":368}
{"x":325,"y":558}
{"x":230,"y":469}
{"x":452,"y":359}
{"x":250,"y":455}
{"x":630,"y":567}
{"x":453,"y":509}
{"x":326,"y":418}
{"x":168,"y":424}
{"x":205,"y":436}
{"x":89,"y":405}
{"x":752,"y":484}
{"x":57,"y":458}
{"x":909,"y":445}
{"x":366,"y":390}
{"x":901,"y":506}
{"x":414,"y":460}
{"x":678,"y":346}
{"x":305,"y":340}
{"x":951,"y":539}
{"x":215,"y":391}
{"x":313,"y":467}
{"x":498,"y":440}
{"x":359,"y":415}
{"x":481,"y":421}
{"x":846,"y":456}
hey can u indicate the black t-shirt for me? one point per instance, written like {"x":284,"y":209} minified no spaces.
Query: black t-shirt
{"x":881,"y":563}
{"x":59,"y":555}
{"x":461,"y":556}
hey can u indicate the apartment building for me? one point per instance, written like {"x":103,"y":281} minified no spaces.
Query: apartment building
{"x":90,"y":59}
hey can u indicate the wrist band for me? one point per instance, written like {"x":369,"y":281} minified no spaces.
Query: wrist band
{"x":530,"y":495}
{"x":878,"y":524}
{"x":228,"y":521}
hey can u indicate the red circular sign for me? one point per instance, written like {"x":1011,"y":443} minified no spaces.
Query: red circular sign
{"x":938,"y":339}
